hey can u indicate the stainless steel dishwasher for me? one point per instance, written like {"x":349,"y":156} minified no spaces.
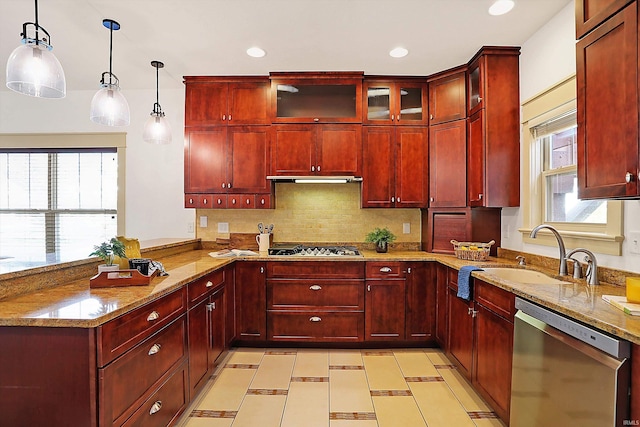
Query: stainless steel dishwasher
{"x":565,"y":373}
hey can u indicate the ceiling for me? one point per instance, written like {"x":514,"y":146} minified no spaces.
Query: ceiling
{"x":210,"y":37}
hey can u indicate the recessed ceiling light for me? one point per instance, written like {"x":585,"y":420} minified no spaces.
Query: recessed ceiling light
{"x":399,"y":52}
{"x":500,"y":7}
{"x":256,"y":52}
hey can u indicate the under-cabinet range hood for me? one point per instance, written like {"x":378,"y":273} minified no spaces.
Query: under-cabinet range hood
{"x":313,"y":179}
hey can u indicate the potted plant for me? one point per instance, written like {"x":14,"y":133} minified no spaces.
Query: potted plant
{"x":107,"y":251}
{"x":381,"y":237}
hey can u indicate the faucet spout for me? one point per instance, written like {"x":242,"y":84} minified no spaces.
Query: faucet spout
{"x":592,"y":271}
{"x":562,"y":268}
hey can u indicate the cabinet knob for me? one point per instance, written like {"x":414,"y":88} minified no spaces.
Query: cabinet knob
{"x":154,"y":315}
{"x":262,"y":201}
{"x":224,"y":185}
{"x":393,"y":117}
{"x":228,"y":185}
{"x":219,"y":201}
{"x":209,"y":284}
{"x":190,"y":201}
{"x":409,"y":270}
{"x":398,"y":199}
{"x":479,"y":99}
{"x":154,"y":349}
{"x":248,"y":201}
{"x":233,"y":201}
{"x":629,"y":177}
{"x":368,"y":288}
{"x":211,"y":306}
{"x":393,"y":199}
{"x":155,"y":407}
{"x":430,"y":116}
{"x":469,"y":310}
{"x":318,"y":168}
{"x":204,"y":201}
{"x":261,"y":269}
{"x":313,"y":168}
{"x":315,"y":319}
{"x":315,"y":287}
{"x":224,"y":117}
{"x":431,"y":199}
{"x":474,"y":313}
{"x":229,"y":117}
{"x":316,"y":119}
{"x":385,"y":270}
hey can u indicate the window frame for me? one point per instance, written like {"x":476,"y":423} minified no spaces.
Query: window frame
{"x":602,"y":238}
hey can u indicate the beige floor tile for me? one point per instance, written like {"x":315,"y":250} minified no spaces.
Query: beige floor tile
{"x":354,"y":423}
{"x":437,"y":357}
{"x":463,"y":391}
{"x":398,"y":411}
{"x":439,"y":406}
{"x":383,"y":373}
{"x":349,"y":392}
{"x":415,"y":363}
{"x":307,"y":405}
{"x":311,"y":363}
{"x":263,"y":411}
{"x":249,"y":356}
{"x":345,"y":358}
{"x":274,"y":372}
{"x":208,"y":422}
{"x":228,"y":390}
{"x":489,"y":422}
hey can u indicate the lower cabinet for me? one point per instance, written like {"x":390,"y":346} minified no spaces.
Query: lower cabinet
{"x":442,"y":296}
{"x":420,"y":306}
{"x":460,"y":337}
{"x":251,"y":322}
{"x":385,"y":313}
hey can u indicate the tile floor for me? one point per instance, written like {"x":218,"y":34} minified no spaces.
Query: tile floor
{"x":338,"y":388}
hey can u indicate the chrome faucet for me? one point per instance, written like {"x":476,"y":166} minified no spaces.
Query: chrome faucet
{"x":562,"y":269}
{"x":592,"y":270}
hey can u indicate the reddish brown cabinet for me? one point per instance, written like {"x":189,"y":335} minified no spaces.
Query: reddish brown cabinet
{"x":448,"y":164}
{"x":395,"y":172}
{"x":607,"y":81}
{"x":591,"y":13}
{"x":324,"y":150}
{"x":493,"y":150}
{"x":250,"y":284}
{"x":385,"y":301}
{"x":460,"y":335}
{"x":420,"y":307}
{"x":394,"y":101}
{"x":447,"y":96}
{"x":213,"y":101}
{"x":441,"y":314}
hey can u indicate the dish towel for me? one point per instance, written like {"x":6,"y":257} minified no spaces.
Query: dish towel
{"x":464,"y":281}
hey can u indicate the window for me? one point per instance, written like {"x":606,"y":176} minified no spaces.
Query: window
{"x":57,"y":203}
{"x":549,"y":193}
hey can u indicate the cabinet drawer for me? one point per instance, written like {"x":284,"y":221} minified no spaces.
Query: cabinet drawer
{"x":315,"y":326}
{"x":122,"y":333}
{"x":495,"y":299}
{"x":316,"y":269}
{"x":131,"y":376}
{"x":198,"y":289}
{"x":165,"y":405}
{"x":385,"y":270}
{"x":452,"y":278}
{"x":329,"y":294}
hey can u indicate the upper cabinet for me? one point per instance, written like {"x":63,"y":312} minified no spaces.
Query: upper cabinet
{"x":447,"y":96}
{"x":607,"y":83}
{"x":493,"y":142}
{"x":226,"y":101}
{"x":316,"y":97}
{"x":448,"y":164}
{"x":395,"y":101}
{"x":591,"y":13}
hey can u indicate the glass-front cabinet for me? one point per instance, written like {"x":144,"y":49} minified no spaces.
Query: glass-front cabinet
{"x":398,"y":102}
{"x":316,"y":97}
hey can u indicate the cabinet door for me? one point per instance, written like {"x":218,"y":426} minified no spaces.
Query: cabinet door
{"x":460,"y":332}
{"x":411,"y":103}
{"x":249,"y":103}
{"x":591,"y":13}
{"x":447,"y":98}
{"x":448,"y":164}
{"x":248,"y":159}
{"x":229,"y":306}
{"x":205,"y":103}
{"x":441,"y":329}
{"x":475,"y":85}
{"x":198,"y":327}
{"x":378,"y":177}
{"x":476,"y":160}
{"x":339,"y":150}
{"x":607,"y":65}
{"x":493,"y":359}
{"x":205,"y":160}
{"x":293,"y":150}
{"x":379,"y":102}
{"x":412,"y":170}
{"x":215,"y":307}
{"x":421,"y":301}
{"x":251,"y":308}
{"x":384,"y":312}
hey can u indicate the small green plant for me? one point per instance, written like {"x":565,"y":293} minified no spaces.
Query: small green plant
{"x":380,"y":235}
{"x":108,"y":250}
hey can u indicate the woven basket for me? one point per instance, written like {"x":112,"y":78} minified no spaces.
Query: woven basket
{"x":472,"y":251}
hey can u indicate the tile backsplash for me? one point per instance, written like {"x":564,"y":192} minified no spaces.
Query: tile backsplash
{"x":313,"y":213}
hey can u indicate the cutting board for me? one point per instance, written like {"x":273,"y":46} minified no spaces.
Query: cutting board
{"x":243,"y":241}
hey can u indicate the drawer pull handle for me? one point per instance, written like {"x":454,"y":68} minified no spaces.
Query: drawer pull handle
{"x":211,"y":306}
{"x":155,"y":407}
{"x":315,"y":287}
{"x":209,"y":283}
{"x":315,"y":319}
{"x":385,"y":270}
{"x":153,"y":316}
{"x":154,"y":349}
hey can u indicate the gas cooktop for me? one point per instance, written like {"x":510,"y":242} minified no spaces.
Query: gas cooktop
{"x":304,"y":250}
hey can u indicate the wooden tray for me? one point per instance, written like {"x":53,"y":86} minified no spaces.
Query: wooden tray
{"x":129,"y":277}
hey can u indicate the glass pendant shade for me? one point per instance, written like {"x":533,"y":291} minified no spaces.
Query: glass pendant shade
{"x":109,"y":107}
{"x":157,"y":129}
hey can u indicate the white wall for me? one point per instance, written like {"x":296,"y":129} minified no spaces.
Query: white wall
{"x":154,"y":174}
{"x":547,"y":58}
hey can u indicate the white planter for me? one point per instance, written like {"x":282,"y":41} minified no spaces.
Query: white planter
{"x":105,"y":267}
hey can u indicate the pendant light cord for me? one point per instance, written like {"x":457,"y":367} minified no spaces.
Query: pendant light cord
{"x":157,"y":88}
{"x":110,"y":51}
{"x":37,"y":26}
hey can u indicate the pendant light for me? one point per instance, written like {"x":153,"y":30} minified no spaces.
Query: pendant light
{"x":157,"y":129}
{"x":108,"y":106}
{"x":32,"y":68}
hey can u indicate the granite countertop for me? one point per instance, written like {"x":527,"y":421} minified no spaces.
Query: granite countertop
{"x":75,"y":304}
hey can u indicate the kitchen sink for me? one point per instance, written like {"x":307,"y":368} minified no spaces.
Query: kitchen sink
{"x":520,"y":275}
